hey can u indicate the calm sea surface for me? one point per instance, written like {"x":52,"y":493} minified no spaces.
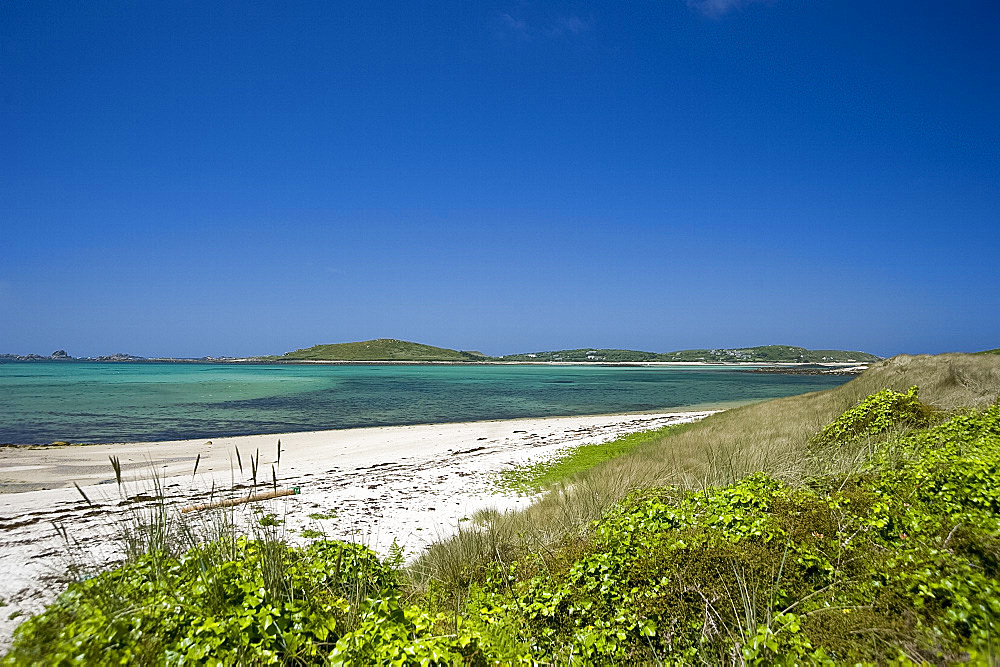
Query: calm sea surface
{"x":112,"y":402}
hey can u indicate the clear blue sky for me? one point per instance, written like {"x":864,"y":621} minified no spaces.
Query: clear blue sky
{"x":190,"y":178}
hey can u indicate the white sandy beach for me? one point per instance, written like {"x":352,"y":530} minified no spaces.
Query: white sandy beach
{"x":412,"y":484}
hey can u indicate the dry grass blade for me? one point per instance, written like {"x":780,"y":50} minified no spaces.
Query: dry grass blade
{"x":83,"y":494}
{"x":196,"y":462}
{"x":61,"y":531}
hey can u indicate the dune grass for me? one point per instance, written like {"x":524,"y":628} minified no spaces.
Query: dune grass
{"x":533,"y":478}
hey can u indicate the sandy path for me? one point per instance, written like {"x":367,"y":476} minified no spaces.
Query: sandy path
{"x":412,"y":484}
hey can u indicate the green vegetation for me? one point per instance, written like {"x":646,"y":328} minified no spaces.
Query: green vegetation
{"x":763,"y":354}
{"x":228,"y":601}
{"x":996,"y":351}
{"x":855,"y":525}
{"x":382,"y":349}
{"x":874,"y":417}
{"x":268,"y":520}
{"x":533,"y":478}
{"x":898,"y":562}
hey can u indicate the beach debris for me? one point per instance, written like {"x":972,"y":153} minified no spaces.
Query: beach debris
{"x":468,"y":451}
{"x":252,"y":498}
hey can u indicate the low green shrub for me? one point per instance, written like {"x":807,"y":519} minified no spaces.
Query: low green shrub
{"x":875,"y":417}
{"x":246,"y":601}
{"x":389,"y":633}
{"x":249,"y":602}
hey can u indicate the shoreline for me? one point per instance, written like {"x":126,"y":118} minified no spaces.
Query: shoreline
{"x":60,"y":466}
{"x":251,"y":361}
{"x":412,"y":485}
{"x":712,"y":406}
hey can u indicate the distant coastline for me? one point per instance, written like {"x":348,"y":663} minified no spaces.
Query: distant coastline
{"x":346,"y":362}
{"x":394,"y":351}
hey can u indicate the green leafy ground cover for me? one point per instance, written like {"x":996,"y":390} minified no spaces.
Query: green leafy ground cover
{"x":240,"y":602}
{"x":875,"y":417}
{"x":895,"y":561}
{"x":220,"y":603}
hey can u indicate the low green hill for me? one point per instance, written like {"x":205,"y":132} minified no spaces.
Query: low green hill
{"x":381,"y":349}
{"x":766,"y":353}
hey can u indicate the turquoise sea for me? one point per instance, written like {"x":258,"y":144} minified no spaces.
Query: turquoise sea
{"x":42,"y":402}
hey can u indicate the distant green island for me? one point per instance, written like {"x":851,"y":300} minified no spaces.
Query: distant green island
{"x":380,"y":349}
{"x":390,"y":349}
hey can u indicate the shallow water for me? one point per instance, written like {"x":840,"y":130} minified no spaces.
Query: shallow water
{"x":41,"y":402}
